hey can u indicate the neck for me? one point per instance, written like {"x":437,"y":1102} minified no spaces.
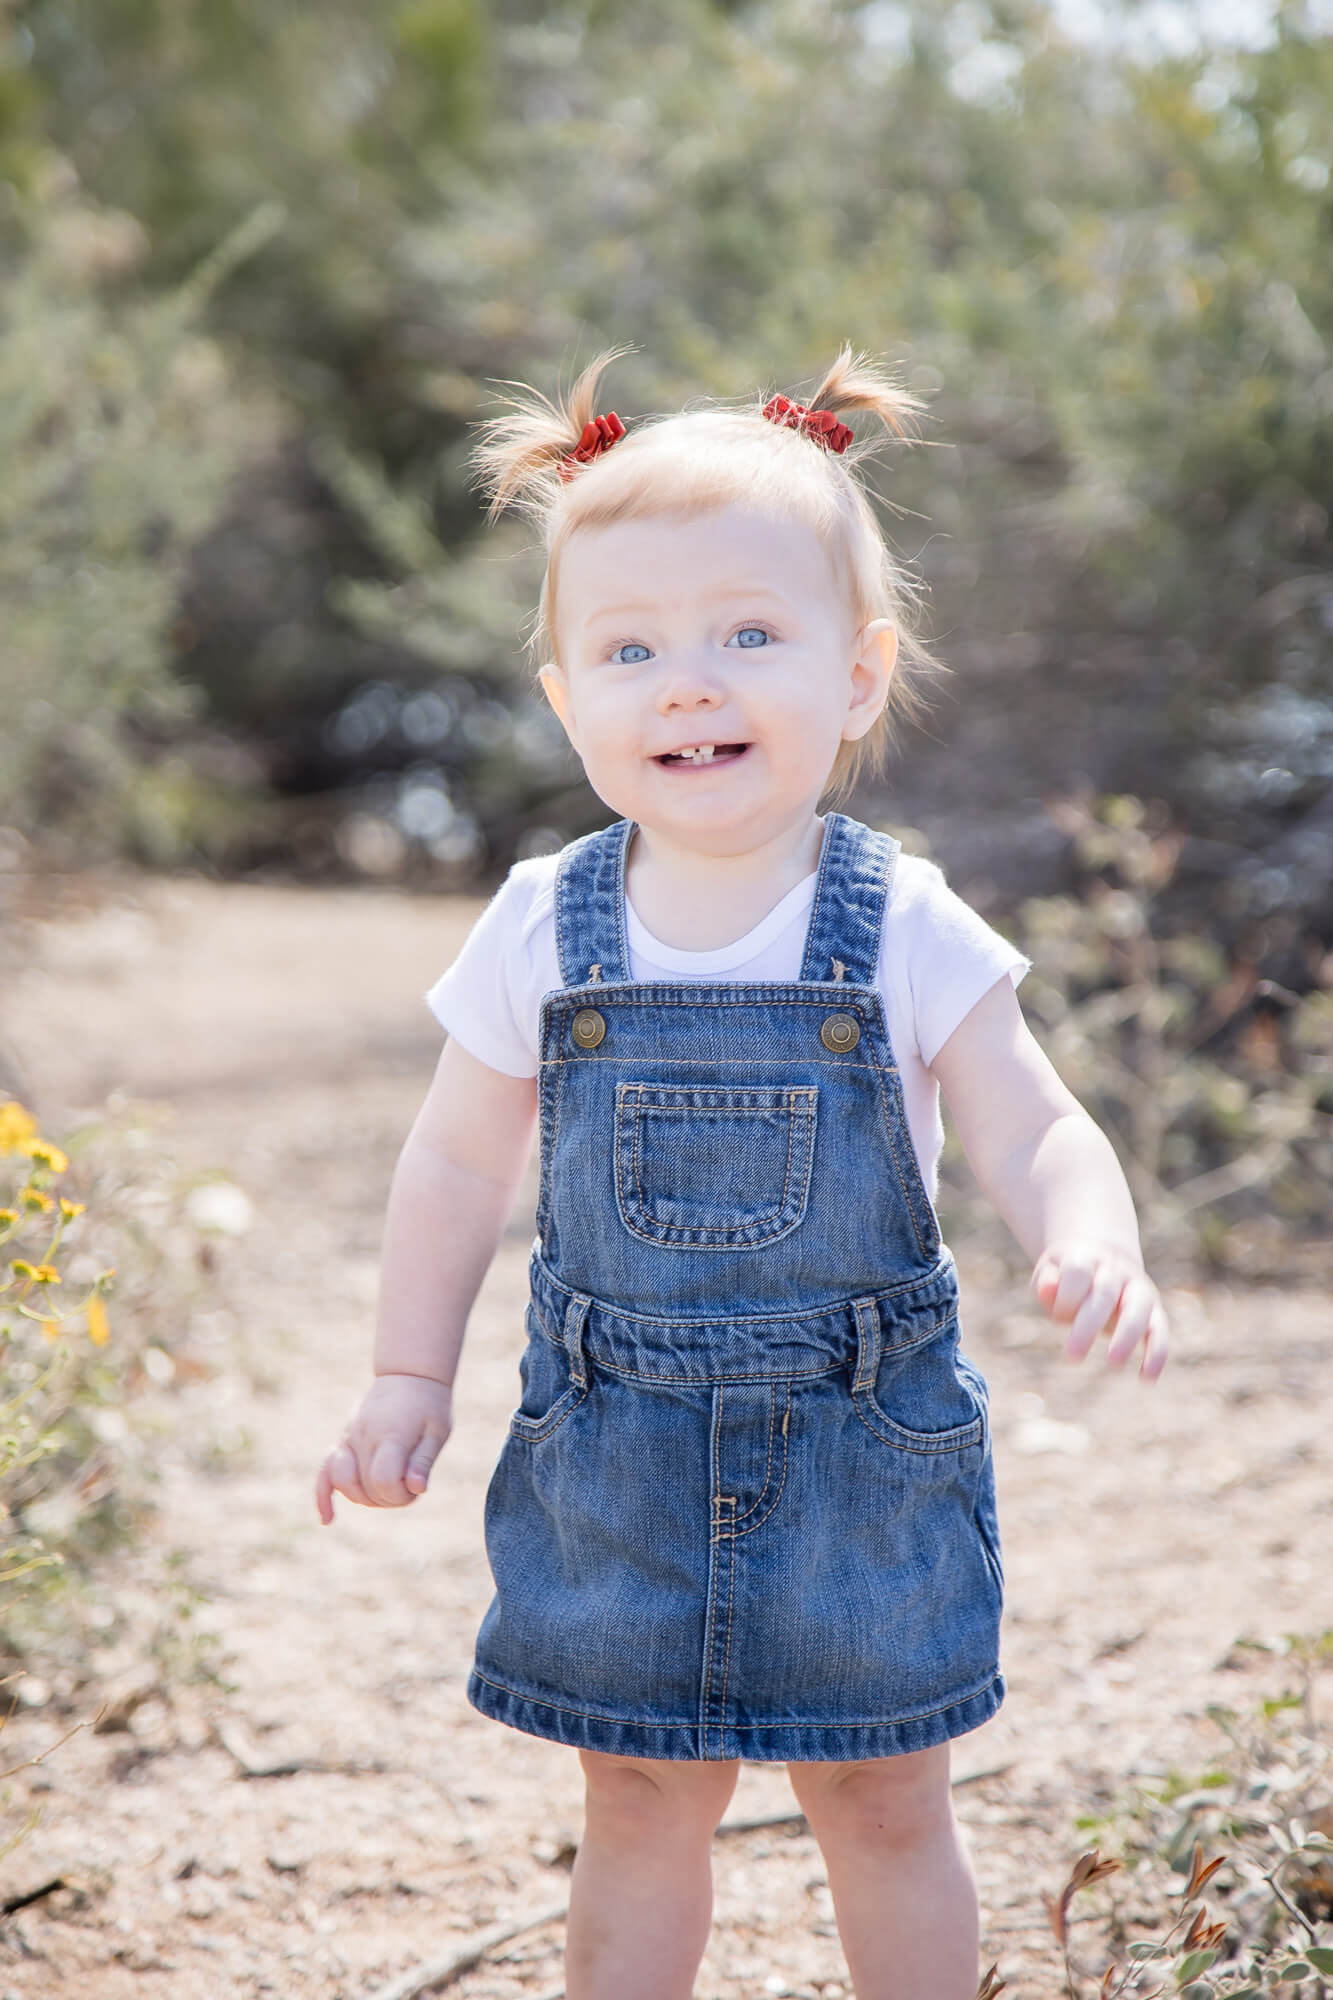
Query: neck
{"x":700,"y":901}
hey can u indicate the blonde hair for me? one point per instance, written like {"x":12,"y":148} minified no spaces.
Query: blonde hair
{"x":700,"y":461}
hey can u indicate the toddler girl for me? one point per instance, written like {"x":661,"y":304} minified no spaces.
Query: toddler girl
{"x":745,"y":1507}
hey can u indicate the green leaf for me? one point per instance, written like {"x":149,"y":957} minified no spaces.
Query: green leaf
{"x":1146,"y":1949}
{"x":1192,"y":1964}
{"x":1320,"y":1957}
{"x":1198,"y":1989}
{"x":1297,"y":1970}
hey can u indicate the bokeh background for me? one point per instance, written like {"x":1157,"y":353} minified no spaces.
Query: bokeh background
{"x":267,"y":735}
{"x":262,"y":266}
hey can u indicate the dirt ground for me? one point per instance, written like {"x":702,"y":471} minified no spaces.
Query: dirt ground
{"x":1145,"y":1531}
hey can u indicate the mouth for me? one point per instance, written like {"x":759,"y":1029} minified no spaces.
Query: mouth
{"x":702,"y":754}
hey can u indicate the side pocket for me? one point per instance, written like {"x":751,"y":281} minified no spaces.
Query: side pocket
{"x":923,"y":1396}
{"x":549,"y":1393}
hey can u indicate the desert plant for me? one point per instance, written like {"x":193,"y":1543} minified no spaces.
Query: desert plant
{"x":1264,"y":1811}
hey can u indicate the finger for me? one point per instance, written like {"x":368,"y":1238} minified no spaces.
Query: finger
{"x":1045,"y":1274}
{"x":345,"y":1475}
{"x":1136,"y":1304}
{"x":1076,"y":1274}
{"x":384,"y":1475}
{"x":424,"y":1455}
{"x":324,"y":1494}
{"x":1096,"y":1311}
{"x":1157,"y":1345}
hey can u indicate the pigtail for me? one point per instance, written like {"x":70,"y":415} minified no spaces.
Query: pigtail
{"x":517,"y":458}
{"x":858,"y":382}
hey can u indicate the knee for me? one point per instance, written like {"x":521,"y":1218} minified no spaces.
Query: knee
{"x":639,"y":1798}
{"x":893,"y":1802}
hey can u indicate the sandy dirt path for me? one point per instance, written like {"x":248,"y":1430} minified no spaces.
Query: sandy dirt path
{"x":1145,"y":1530}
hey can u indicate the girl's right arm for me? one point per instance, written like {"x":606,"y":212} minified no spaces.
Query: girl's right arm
{"x":451,"y":1195}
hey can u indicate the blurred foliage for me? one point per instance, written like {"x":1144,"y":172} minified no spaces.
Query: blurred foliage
{"x":1214,"y":1083}
{"x":105,"y":1263}
{"x":266,"y":265}
{"x":1108,"y":267}
{"x":120,"y":430}
{"x":1254,"y":1831}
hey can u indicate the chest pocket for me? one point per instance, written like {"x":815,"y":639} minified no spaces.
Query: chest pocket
{"x":713,"y":1169}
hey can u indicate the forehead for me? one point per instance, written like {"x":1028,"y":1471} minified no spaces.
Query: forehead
{"x":656,"y":558}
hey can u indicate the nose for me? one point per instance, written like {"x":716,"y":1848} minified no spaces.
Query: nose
{"x":689,"y":682}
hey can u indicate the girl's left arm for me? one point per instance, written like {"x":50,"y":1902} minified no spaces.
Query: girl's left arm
{"x":1054,"y":1177}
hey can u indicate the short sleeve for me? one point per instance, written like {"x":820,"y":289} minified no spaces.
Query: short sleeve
{"x":486,"y":999}
{"x":953,"y":955}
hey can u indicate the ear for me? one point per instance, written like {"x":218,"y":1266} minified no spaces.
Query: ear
{"x":872,"y":670}
{"x":555,"y":686}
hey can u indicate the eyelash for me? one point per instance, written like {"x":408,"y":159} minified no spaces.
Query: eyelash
{"x":746,"y":625}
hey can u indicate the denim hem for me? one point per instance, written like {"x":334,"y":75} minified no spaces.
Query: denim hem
{"x":763,"y":1743}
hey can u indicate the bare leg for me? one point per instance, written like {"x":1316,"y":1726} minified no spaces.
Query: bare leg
{"x":641,"y":1899}
{"x":900,"y":1877}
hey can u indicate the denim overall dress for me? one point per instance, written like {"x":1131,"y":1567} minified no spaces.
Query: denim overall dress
{"x":746,"y":1505}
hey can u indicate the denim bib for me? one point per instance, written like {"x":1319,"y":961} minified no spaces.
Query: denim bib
{"x":746,"y":1504}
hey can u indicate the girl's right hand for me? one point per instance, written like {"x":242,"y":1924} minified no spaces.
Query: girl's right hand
{"x":388,"y":1446}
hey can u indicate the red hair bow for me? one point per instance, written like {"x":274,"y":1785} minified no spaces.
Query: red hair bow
{"x":820,"y":425}
{"x":598,"y":435}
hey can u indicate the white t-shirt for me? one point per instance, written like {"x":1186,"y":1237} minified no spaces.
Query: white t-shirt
{"x":937,"y":958}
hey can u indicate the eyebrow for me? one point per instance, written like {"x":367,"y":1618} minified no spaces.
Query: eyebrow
{"x":730,"y":592}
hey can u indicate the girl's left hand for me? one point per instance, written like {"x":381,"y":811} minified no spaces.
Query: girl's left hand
{"x":1100,"y":1288}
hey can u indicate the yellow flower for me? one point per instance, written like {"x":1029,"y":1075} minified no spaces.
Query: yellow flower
{"x":35,"y":1201}
{"x":45,"y":1154}
{"x":17,"y":1127}
{"x":69,"y":1209}
{"x":8,"y":1215}
{"x":36,"y":1274}
{"x":99,"y":1332}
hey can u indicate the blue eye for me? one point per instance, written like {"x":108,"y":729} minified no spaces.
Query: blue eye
{"x":751,"y":635}
{"x":631,"y":654}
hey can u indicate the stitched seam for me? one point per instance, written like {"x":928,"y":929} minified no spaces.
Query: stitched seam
{"x":677,"y":1236}
{"x":622,"y":858}
{"x":714,"y":1558}
{"x":726,"y":1643}
{"x":816,"y":908}
{"x":908,"y":1202}
{"x":634,"y":1722}
{"x":960,"y":1439}
{"x":736,"y":1519}
{"x":778,"y":1100}
{"x":786,"y":1461}
{"x":641,"y":1375}
{"x":844,"y":1306}
{"x":530,"y":1437}
{"x":563,"y":1708}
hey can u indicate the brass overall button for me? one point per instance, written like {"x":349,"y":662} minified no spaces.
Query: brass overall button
{"x":840,"y":1033}
{"x":588,"y":1027}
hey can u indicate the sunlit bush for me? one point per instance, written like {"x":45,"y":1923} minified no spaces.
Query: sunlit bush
{"x":104,"y":1257}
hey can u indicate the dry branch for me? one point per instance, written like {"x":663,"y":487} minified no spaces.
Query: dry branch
{"x":251,"y":1765}
{"x":436,"y":1972}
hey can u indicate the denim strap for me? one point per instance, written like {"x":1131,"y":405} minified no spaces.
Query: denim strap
{"x":590,"y":907}
{"x":855,"y":875}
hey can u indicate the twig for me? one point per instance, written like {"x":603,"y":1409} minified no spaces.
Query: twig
{"x":440,"y":1971}
{"x":12,"y":1903}
{"x":28,"y":1762}
{"x":252,"y":1766}
{"x":1285,"y":1900}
